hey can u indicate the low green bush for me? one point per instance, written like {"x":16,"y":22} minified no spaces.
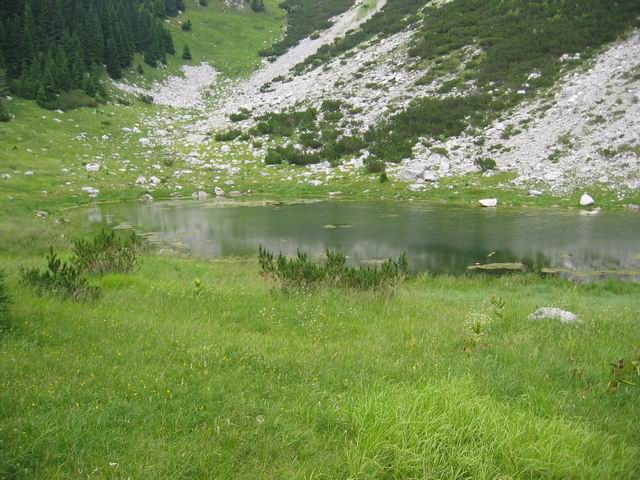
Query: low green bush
{"x":486,"y":164}
{"x":299,"y":273}
{"x":63,"y":279}
{"x":228,"y":135}
{"x":107,"y":253}
{"x":374,"y":165}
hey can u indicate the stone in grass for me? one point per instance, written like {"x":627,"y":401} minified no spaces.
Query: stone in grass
{"x":535,"y":193}
{"x":92,"y":167}
{"x":92,"y":192}
{"x":488,"y":202}
{"x":146,"y":198}
{"x":335,"y":194}
{"x":42,"y":214}
{"x":219,"y":192}
{"x":553,"y":313}
{"x":586,"y":200}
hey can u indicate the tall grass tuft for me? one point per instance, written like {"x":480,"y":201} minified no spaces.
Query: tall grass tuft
{"x":5,"y":299}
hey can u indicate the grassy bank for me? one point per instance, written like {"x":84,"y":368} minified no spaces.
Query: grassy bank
{"x":160,"y":379}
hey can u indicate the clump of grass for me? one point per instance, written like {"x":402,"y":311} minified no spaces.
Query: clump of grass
{"x":299,"y":273}
{"x":107,"y":253}
{"x":61,"y":278}
{"x":445,"y":429}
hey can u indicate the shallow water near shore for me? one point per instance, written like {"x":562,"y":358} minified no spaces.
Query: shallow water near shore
{"x":436,"y":238}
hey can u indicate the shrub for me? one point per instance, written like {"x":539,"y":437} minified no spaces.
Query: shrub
{"x":273,"y":158}
{"x":257,"y":5}
{"x":300,"y":273}
{"x":107,"y":253}
{"x":240,"y":115}
{"x":4,"y":112}
{"x":61,"y":278}
{"x":186,"y":53}
{"x":228,"y":135}
{"x":374,"y":165}
{"x":186,"y":26}
{"x":486,"y":164}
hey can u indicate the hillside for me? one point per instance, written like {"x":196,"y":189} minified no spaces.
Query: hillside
{"x":319,"y":239}
{"x":414,"y":89}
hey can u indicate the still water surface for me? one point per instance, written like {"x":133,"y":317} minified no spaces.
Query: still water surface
{"x":439,"y":239}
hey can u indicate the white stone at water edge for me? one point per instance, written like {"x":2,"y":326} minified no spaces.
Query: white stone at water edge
{"x":92,"y":192}
{"x":554,"y":314}
{"x":489,"y":202}
{"x":219,"y":192}
{"x":586,"y":200}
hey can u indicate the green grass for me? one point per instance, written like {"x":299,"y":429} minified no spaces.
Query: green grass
{"x":227,"y":37}
{"x":159,"y":379}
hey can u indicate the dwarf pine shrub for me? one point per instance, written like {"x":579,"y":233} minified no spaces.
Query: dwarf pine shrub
{"x":300,"y":273}
{"x":61,"y":278}
{"x":107,"y":253}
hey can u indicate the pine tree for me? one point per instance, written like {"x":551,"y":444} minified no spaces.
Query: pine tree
{"x":4,"y":112}
{"x":4,"y":86}
{"x":186,"y":53}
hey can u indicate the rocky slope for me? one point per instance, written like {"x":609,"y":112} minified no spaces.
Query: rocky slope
{"x":585,"y":131}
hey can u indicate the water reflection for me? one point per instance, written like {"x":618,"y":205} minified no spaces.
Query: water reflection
{"x":436,"y":238}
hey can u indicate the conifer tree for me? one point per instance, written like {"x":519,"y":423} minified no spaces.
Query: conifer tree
{"x":186,"y":53}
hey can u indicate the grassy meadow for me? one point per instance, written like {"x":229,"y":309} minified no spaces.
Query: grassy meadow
{"x":160,"y":378}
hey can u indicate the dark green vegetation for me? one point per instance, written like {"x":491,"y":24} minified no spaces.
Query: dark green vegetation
{"x":516,"y":37}
{"x":305,"y":17}
{"x":300,"y":273}
{"x":50,"y":47}
{"x":105,"y":253}
{"x":5,"y":301}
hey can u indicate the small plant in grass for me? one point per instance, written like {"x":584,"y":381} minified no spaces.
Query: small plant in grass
{"x":107,"y":253}
{"x":384,"y":178}
{"x":624,"y":373}
{"x":186,"y":26}
{"x":186,"y":53}
{"x":300,"y":273}
{"x":63,"y":279}
{"x":5,"y":299}
{"x":477,"y":325}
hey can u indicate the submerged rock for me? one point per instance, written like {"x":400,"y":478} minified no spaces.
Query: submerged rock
{"x":553,"y":313}
{"x":497,"y":267}
{"x":200,"y":195}
{"x":146,"y":198}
